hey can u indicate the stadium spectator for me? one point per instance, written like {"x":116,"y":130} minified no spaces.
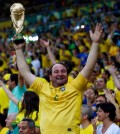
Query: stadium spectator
{"x":86,"y":117}
{"x":3,"y":129}
{"x":16,"y":85}
{"x":10,"y":124}
{"x":26,"y":126}
{"x":53,"y":104}
{"x":28,"y":106}
{"x":106,"y":114}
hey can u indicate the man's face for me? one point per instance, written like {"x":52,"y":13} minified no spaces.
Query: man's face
{"x":100,"y":83}
{"x":10,"y":83}
{"x":24,"y":128}
{"x":90,"y":94}
{"x":100,"y":99}
{"x":83,"y":115}
{"x":59,"y":75}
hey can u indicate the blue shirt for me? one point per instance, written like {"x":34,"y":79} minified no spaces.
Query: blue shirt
{"x":18,"y":93}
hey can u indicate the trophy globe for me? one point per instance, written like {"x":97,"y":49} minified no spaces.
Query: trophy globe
{"x":17,"y":16}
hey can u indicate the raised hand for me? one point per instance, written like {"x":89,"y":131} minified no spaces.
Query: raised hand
{"x":112,"y":69}
{"x":94,"y":122}
{"x":110,"y":97}
{"x":20,"y":45}
{"x":96,"y":35}
{"x":44,"y":42}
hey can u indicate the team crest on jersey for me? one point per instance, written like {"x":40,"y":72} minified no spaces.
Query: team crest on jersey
{"x":62,"y":88}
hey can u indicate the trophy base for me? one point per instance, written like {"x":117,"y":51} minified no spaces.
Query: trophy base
{"x":18,"y":39}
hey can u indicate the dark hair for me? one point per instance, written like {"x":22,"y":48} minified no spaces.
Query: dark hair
{"x":1,"y":63}
{"x":30,"y":122}
{"x":103,"y":79}
{"x":94,"y":89}
{"x":2,"y":120}
{"x":102,"y":95}
{"x":30,"y":103}
{"x":108,"y":108}
{"x":14,"y":77}
{"x":107,"y":73}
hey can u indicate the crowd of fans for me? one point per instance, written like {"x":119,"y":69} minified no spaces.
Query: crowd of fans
{"x":100,"y":112}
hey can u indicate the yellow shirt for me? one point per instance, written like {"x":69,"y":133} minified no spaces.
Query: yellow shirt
{"x":76,"y":61}
{"x":45,"y":61}
{"x":66,"y":52}
{"x":110,"y":84}
{"x":81,"y":48}
{"x":88,"y":130}
{"x":103,"y":48}
{"x":4,"y":100}
{"x":113,"y":50}
{"x":21,"y":115}
{"x":4,"y":130}
{"x":70,"y":78}
{"x":60,"y":107}
{"x":101,"y":93}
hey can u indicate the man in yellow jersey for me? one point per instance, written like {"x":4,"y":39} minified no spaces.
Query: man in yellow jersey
{"x":60,"y":100}
{"x":100,"y":84}
{"x":86,"y":117}
{"x":4,"y":100}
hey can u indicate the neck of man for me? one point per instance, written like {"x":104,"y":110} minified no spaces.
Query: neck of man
{"x":10,"y":128}
{"x":85,"y":124}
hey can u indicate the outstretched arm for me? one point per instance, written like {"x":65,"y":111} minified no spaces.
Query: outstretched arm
{"x":111,"y":99}
{"x":9,"y":93}
{"x":112,"y":71}
{"x":92,"y":58}
{"x":20,"y":80}
{"x":23,"y":66}
{"x":51,"y":55}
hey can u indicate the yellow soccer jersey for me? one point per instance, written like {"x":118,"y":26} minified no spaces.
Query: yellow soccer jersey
{"x":103,"y":48}
{"x":60,"y":107}
{"x":66,"y":52}
{"x":76,"y":61}
{"x":88,"y":130}
{"x":101,"y":93}
{"x":113,"y":50}
{"x":4,"y":100}
{"x":110,"y":84}
{"x":4,"y":130}
{"x":45,"y":61}
{"x":21,"y":115}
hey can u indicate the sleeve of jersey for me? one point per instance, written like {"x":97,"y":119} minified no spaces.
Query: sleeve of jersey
{"x":37,"y":85}
{"x":80,"y":82}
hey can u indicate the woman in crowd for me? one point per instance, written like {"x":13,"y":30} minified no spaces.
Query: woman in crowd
{"x":28,"y":106}
{"x":106,"y":113}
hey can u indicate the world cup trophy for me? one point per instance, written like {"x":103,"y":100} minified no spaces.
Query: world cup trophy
{"x":17,"y":16}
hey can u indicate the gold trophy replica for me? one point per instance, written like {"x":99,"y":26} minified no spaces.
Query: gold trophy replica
{"x":17,"y":16}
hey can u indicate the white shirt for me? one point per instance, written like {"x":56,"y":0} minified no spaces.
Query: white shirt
{"x":36,"y":65}
{"x":113,"y":129}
